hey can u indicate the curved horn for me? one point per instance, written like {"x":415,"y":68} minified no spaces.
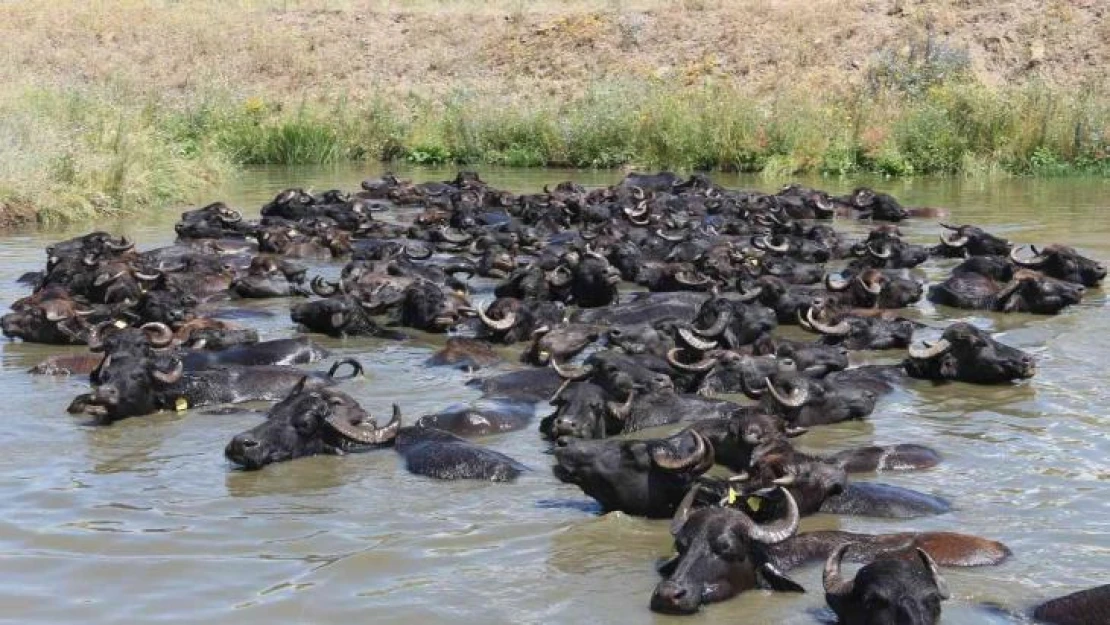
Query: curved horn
{"x":767,"y":244}
{"x":124,"y":244}
{"x":574,"y":373}
{"x":407,"y":253}
{"x":148,"y":277}
{"x":694,"y":341}
{"x":502,"y":325}
{"x":158,"y":333}
{"x":796,"y":399}
{"x":749,"y":295}
{"x":702,"y":365}
{"x":560,"y":276}
{"x":724,"y":318}
{"x":638,"y":193}
{"x":775,"y":532}
{"x":930,"y":351}
{"x":173,"y":376}
{"x":641,"y":210}
{"x":691,"y":279}
{"x":664,"y":456}
{"x":683,"y":511}
{"x":955,"y":239}
{"x":836,"y":284}
{"x":840,"y":329}
{"x":230,"y":216}
{"x":673,"y":238}
{"x":367,"y":435}
{"x":934,"y":572}
{"x":882,"y":255}
{"x":831,"y":578}
{"x":324,"y":288}
{"x":105,"y":278}
{"x":1037,"y":260}
{"x":461,"y":237}
{"x":871,"y":287}
{"x":356,"y":367}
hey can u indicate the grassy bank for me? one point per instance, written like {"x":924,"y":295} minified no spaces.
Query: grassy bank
{"x":135,"y":104}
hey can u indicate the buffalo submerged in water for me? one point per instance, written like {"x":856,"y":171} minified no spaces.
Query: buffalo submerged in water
{"x":653,"y":303}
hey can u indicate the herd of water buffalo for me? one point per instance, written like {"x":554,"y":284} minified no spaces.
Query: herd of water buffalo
{"x":715,"y":270}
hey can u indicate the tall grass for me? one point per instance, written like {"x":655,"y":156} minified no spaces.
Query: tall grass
{"x":71,"y":155}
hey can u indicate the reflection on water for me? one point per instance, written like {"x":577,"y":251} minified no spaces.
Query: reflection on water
{"x":146,"y":520}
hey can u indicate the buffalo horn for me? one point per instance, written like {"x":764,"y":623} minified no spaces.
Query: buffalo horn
{"x":172,"y":376}
{"x":840,"y":329}
{"x":777,"y":532}
{"x":665,"y":458}
{"x":705,"y":364}
{"x":500,"y":325}
{"x":1037,"y":260}
{"x":795,"y":399}
{"x":930,"y":351}
{"x":364,"y":434}
{"x":158,"y":333}
{"x":832,"y":579}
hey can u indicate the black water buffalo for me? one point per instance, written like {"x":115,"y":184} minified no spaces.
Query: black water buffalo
{"x":215,"y":221}
{"x":640,"y":477}
{"x":311,"y":421}
{"x":1086,"y":607}
{"x":804,"y":401}
{"x":721,"y":553}
{"x":858,"y":332}
{"x":586,"y":410}
{"x":136,"y":378}
{"x":874,"y":288}
{"x":470,"y":421}
{"x":341,"y":315}
{"x":877,"y":206}
{"x":437,"y":454}
{"x":964,"y":241}
{"x":1027,"y":291}
{"x":1063,"y":263}
{"x":886,"y":590}
{"x":55,"y":320}
{"x":967,"y":354}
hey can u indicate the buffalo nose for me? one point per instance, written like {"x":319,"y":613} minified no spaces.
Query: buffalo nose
{"x":674,"y":597}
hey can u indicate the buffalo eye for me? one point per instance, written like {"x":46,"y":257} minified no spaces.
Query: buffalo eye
{"x":305,"y":423}
{"x":728,"y":547}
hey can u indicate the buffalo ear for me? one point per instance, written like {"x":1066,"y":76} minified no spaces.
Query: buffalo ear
{"x":774,"y":579}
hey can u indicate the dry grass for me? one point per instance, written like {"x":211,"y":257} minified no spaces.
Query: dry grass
{"x":779,"y":85}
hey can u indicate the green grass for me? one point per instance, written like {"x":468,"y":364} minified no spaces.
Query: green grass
{"x":72,"y":155}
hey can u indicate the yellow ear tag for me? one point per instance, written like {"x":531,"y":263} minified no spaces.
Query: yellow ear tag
{"x":120,"y":324}
{"x":731,"y":496}
{"x":181,"y":404}
{"x":754,"y":503}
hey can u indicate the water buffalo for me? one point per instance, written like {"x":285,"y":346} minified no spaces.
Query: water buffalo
{"x":886,"y":590}
{"x":964,"y":241}
{"x":721,"y":553}
{"x":967,"y":354}
{"x":640,"y":477}
{"x":1027,"y":291}
{"x":311,"y":421}
{"x":138,"y":378}
{"x":873,"y":288}
{"x":857,"y":332}
{"x":341,"y":315}
{"x":1086,"y":607}
{"x":434,"y":453}
{"x":1063,"y":263}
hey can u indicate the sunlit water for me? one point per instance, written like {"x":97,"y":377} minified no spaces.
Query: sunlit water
{"x":145,"y":521}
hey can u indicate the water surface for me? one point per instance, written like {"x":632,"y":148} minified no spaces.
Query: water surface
{"x":144,"y":521}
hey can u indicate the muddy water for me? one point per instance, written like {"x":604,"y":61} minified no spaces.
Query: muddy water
{"x":144,"y":521}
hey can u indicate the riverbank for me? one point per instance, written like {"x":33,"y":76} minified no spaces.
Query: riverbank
{"x":113,"y":107}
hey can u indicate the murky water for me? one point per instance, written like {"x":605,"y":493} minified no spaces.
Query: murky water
{"x":145,"y":521}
